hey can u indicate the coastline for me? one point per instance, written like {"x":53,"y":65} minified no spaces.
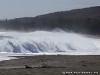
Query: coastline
{"x":59,"y":63}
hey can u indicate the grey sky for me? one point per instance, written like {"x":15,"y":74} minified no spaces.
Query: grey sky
{"x":27,"y":8}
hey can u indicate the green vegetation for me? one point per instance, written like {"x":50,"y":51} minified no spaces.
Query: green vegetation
{"x":85,"y":20}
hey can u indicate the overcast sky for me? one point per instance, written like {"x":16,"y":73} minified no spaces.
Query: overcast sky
{"x":30,"y":8}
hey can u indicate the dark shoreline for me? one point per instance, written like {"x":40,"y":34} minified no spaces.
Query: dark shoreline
{"x":57,"y":64}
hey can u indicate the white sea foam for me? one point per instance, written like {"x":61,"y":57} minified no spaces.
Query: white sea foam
{"x":49,"y":43}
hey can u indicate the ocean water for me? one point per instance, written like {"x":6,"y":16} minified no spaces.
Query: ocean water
{"x":48,"y":43}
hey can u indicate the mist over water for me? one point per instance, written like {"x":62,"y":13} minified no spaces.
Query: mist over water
{"x":57,"y":42}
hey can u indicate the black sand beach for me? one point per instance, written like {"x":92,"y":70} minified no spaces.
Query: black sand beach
{"x":51,"y":65}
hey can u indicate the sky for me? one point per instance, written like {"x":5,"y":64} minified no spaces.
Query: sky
{"x":30,"y":8}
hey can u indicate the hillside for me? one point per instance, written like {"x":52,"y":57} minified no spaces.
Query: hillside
{"x":86,"y":20}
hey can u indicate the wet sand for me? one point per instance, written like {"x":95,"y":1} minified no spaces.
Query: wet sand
{"x":55,"y":65}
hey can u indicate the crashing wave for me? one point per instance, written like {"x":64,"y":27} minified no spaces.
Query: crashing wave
{"x":43,"y":41}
